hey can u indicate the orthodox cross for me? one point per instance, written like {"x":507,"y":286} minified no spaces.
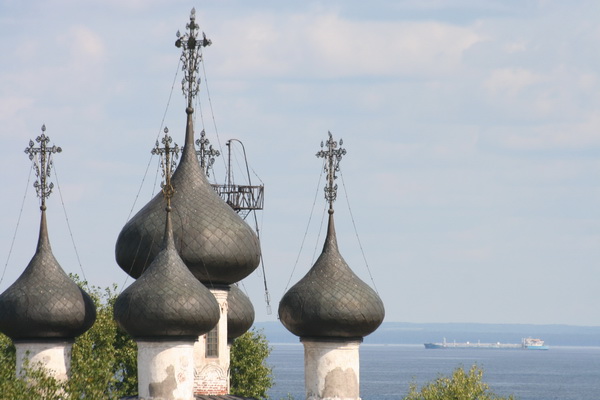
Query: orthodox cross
{"x":42,"y":164}
{"x":332,"y":155}
{"x":168,"y":157}
{"x":191,"y":57}
{"x":206,"y":154}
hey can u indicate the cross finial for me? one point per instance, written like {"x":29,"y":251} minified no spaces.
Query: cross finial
{"x":332,"y":156}
{"x":42,"y":164}
{"x":168,"y":157}
{"x":191,"y":57}
{"x":206,"y":154}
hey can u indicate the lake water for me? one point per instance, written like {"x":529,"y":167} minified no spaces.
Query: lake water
{"x":561,"y":373}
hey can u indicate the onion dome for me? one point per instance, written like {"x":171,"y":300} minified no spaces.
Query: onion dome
{"x":240,"y":313}
{"x":215,"y":243}
{"x":166,"y":301}
{"x":330,"y":301}
{"x":44,"y":303}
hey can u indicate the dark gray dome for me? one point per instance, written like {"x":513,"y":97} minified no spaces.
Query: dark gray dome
{"x":330,"y":300}
{"x":44,"y":303}
{"x":240,"y":313}
{"x":167,"y":300}
{"x":215,"y":243}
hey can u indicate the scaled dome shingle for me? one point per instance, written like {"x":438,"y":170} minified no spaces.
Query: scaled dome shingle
{"x":167,"y":300}
{"x":240,"y":313}
{"x":44,"y":303}
{"x":215,"y":243}
{"x":330,"y":301}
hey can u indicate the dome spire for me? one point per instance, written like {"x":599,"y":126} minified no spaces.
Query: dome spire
{"x":332,"y":155}
{"x":168,"y":157}
{"x":206,"y":153}
{"x":168,"y":160}
{"x":42,"y":165}
{"x":191,"y":56}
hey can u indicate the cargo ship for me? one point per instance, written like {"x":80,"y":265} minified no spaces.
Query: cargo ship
{"x":526,"y":344}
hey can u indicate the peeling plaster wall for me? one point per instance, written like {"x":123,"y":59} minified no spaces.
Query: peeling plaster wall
{"x":166,"y":370}
{"x":331,"y":370}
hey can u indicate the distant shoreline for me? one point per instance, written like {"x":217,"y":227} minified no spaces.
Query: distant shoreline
{"x":406,"y":333}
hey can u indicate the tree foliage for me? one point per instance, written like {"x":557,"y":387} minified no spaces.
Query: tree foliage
{"x":250,"y":375}
{"x":11,"y":387}
{"x":461,"y":385}
{"x":104,"y":359}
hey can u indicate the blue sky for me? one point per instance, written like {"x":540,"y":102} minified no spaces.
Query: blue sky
{"x":472,"y":131}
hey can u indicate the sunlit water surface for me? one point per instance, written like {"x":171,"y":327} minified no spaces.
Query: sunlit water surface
{"x":561,"y":373}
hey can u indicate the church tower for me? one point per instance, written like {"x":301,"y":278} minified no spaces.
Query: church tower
{"x":44,"y":310}
{"x":165,"y":310}
{"x":331,"y":309}
{"x":213,"y":241}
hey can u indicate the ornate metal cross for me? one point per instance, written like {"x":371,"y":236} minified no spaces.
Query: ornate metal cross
{"x":206,"y":154}
{"x":191,"y":57}
{"x":333,"y":156}
{"x":168,"y":159}
{"x":42,"y":164}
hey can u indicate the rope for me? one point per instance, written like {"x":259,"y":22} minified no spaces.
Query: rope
{"x":12,"y":243}
{"x":325,"y":206}
{"x":68,"y":224}
{"x":356,"y":232}
{"x":306,"y":231}
{"x":160,"y":129}
{"x":248,"y":168}
{"x":212,"y":111}
{"x":255,"y":174}
{"x":262,"y":263}
{"x":199,"y":108}
{"x":267,"y":294}
{"x":155,"y":185}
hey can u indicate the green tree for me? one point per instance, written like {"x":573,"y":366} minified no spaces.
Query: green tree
{"x":250,"y":374}
{"x":104,"y":359}
{"x":461,"y":385}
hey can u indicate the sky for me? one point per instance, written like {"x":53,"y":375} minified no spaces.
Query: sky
{"x":472,"y":128}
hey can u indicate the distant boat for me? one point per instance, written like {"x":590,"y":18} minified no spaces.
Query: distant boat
{"x":526,"y":344}
{"x":534,"y":344}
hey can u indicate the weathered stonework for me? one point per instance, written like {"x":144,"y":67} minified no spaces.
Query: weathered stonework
{"x":212,"y":373}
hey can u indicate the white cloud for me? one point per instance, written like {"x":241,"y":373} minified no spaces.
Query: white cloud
{"x":551,"y":136}
{"x":388,"y":48}
{"x":515,"y":47}
{"x":327,"y":45}
{"x":450,"y":129}
{"x":11,"y":106}
{"x":510,"y":81}
{"x":86,"y":45}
